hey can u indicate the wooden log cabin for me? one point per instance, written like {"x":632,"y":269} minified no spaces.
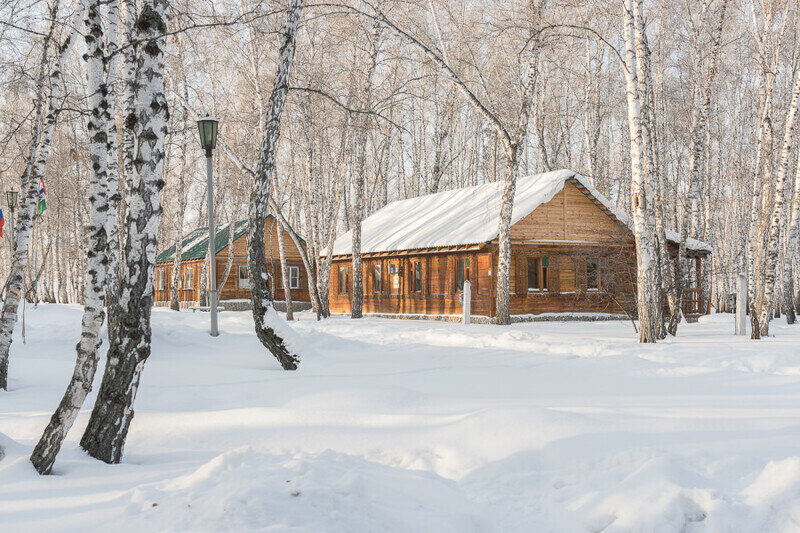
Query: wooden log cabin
{"x":236,"y":288}
{"x":572,"y":251}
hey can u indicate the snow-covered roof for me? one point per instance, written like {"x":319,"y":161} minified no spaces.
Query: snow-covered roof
{"x":466,"y":216}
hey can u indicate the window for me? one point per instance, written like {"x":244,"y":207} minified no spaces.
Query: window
{"x":294,"y":277}
{"x":160,"y":281}
{"x":343,"y":280}
{"x":537,"y":273}
{"x":377,"y":279}
{"x":416,"y":282}
{"x":592,"y":275}
{"x":189,"y":284}
{"x":244,"y":277}
{"x":437,"y":275}
{"x":462,"y":273}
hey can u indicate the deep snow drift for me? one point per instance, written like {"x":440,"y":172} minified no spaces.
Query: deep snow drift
{"x":420,"y":426}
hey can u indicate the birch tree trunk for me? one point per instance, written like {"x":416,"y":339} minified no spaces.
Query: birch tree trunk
{"x":644,"y":251}
{"x":229,"y":258}
{"x":263,"y":313}
{"x":791,"y":250}
{"x":41,"y":137}
{"x":287,"y":290}
{"x":702,"y":103}
{"x":503,"y":290}
{"x":44,"y":454}
{"x":174,"y":303}
{"x":777,"y":207}
{"x":649,"y":153}
{"x":129,"y":346}
{"x":112,"y":158}
{"x":359,"y":178}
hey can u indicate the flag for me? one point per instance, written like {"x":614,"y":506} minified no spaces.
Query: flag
{"x":2,"y":222}
{"x":42,"y":205}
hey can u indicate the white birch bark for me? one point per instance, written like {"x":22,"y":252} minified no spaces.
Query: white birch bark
{"x":793,"y":232}
{"x":772,"y":251}
{"x":111,"y":222}
{"x":44,"y":454}
{"x":702,"y":104}
{"x":261,"y":296}
{"x":285,"y":281}
{"x":359,"y":178}
{"x":129,"y":345}
{"x":647,"y":101}
{"x":644,"y":250}
{"x":43,"y":128}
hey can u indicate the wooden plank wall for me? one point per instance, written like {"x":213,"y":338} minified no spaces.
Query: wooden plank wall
{"x":438,"y":296}
{"x":231,"y":290}
{"x":566,"y":289}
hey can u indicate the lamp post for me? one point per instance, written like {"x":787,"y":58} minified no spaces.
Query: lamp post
{"x":11,"y":197}
{"x":207,"y":127}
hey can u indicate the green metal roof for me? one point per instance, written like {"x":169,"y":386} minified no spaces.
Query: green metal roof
{"x":195,"y":245}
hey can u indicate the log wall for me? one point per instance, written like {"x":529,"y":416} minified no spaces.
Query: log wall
{"x":231,"y":290}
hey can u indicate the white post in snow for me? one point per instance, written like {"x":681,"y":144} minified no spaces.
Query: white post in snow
{"x":467,"y":300}
{"x":741,"y":305}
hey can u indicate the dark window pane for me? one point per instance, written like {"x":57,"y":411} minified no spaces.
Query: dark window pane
{"x":460,"y":274}
{"x":591,"y":274}
{"x":378,"y":279}
{"x":417,"y":277}
{"x":533,"y":273}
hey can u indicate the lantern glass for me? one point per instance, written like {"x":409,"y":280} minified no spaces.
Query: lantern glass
{"x":11,"y":197}
{"x":207,"y":126}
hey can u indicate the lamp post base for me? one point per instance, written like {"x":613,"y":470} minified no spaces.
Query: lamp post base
{"x":213,"y":303}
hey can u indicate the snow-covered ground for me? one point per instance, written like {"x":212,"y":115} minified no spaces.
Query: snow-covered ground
{"x":420,"y":426}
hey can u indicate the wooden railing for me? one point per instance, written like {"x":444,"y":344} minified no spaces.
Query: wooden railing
{"x":694,"y":303}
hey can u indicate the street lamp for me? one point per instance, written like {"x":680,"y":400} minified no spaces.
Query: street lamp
{"x":207,"y":126}
{"x":11,"y":197}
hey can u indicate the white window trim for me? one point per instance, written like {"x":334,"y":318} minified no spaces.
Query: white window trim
{"x":160,"y":279}
{"x":294,"y":282}
{"x":189,"y":282}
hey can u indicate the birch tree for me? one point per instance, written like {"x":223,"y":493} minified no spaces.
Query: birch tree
{"x":644,"y":247}
{"x":359,"y":177}
{"x":769,"y":279}
{"x":46,"y":115}
{"x":44,"y":454}
{"x":129,"y":344}
{"x":264,"y":314}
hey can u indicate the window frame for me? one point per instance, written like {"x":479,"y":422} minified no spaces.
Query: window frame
{"x":188,"y":283}
{"x":160,"y":279}
{"x":239,"y":277}
{"x":462,"y":272}
{"x":377,"y":278}
{"x":416,"y":276}
{"x":294,"y":276}
{"x":597,"y":285}
{"x":541,"y":273}
{"x":344,"y":286}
